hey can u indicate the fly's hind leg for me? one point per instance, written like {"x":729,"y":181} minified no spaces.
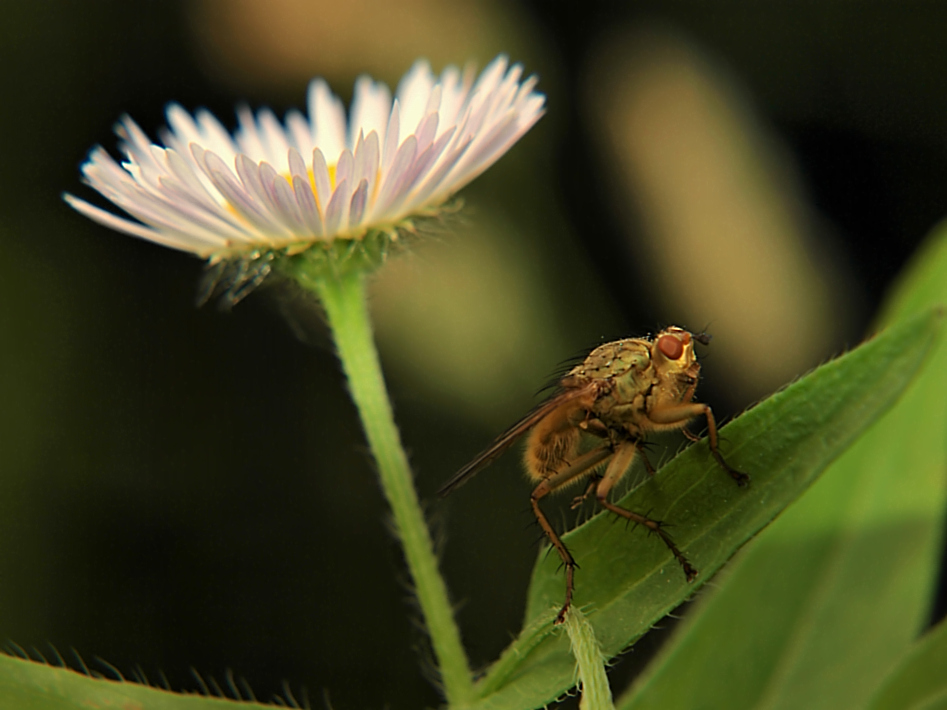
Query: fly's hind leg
{"x":616,"y":469}
{"x":582,"y":466}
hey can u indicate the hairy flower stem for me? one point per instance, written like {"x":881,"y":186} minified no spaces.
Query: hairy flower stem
{"x":343,"y":296}
{"x":590,"y":662}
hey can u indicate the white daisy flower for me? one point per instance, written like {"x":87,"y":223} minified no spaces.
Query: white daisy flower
{"x":274,"y":186}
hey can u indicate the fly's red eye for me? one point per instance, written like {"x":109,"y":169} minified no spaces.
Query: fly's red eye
{"x":670,"y":347}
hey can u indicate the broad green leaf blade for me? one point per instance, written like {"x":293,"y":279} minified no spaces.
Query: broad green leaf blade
{"x":826,"y":601}
{"x":921,"y":678}
{"x":628,"y":581}
{"x":27,"y":685}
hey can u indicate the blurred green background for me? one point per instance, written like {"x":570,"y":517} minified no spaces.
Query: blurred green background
{"x":183,"y":487}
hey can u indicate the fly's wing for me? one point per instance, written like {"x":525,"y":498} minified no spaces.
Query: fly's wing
{"x":508,"y":438}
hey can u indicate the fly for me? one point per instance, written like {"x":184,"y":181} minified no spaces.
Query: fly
{"x":622,"y":392}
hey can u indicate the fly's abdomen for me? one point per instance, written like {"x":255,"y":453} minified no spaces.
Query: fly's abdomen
{"x":551,"y":444}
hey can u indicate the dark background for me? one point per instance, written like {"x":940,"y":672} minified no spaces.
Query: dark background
{"x":182,"y":487}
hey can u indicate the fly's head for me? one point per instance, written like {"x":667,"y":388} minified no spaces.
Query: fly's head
{"x":673,"y":356}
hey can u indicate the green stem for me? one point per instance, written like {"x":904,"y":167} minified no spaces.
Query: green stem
{"x":343,"y":297}
{"x":596,"y":695}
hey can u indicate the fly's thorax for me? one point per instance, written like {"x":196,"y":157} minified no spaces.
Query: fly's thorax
{"x":620,"y":373}
{"x":615,"y":359}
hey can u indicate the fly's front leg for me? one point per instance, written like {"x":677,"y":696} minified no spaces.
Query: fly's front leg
{"x":616,"y":469}
{"x":594,"y":426}
{"x":582,"y":466}
{"x":679,"y":414}
{"x":690,"y":435}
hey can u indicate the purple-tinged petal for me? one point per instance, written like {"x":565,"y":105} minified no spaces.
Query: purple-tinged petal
{"x":366,"y":160}
{"x":337,"y":207}
{"x":297,"y":166}
{"x":395,"y":175}
{"x":357,"y":205}
{"x":320,"y":176}
{"x":345,"y":167}
{"x":307,"y":205}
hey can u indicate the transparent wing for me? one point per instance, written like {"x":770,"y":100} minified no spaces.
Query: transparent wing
{"x":509,"y":437}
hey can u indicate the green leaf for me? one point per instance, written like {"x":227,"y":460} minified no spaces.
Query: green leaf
{"x":28,"y":685}
{"x":628,"y":581}
{"x":827,"y":600}
{"x":920,"y":681}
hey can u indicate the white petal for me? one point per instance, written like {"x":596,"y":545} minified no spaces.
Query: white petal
{"x":242,"y":202}
{"x":243,"y":198}
{"x":357,"y":205}
{"x":300,"y":132}
{"x":482,"y":154}
{"x":164,"y":215}
{"x":435,"y":183}
{"x":453,"y":95}
{"x":413,"y":94}
{"x":412,"y":176}
{"x":307,"y":205}
{"x":190,"y":191}
{"x":284,"y":197}
{"x":328,"y":118}
{"x":371,"y":107}
{"x":320,"y":176}
{"x":182,"y":169}
{"x":423,"y":167}
{"x":345,"y":167}
{"x":179,"y":210}
{"x":214,"y":219}
{"x":107,"y":219}
{"x":337,"y":207}
{"x":366,"y":161}
{"x":182,"y":124}
{"x":214,"y":136}
{"x":391,"y":136}
{"x":249,"y":141}
{"x":274,"y":140}
{"x":426,"y":132}
{"x":249,"y":174}
{"x":137,"y":145}
{"x":394,"y":178}
{"x":492,"y":75}
{"x":297,"y":166}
